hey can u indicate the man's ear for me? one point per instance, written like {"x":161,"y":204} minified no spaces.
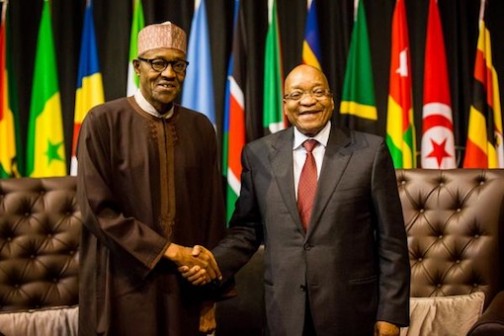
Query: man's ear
{"x":136,"y":66}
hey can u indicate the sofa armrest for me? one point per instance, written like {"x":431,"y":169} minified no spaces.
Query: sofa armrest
{"x":491,"y":323}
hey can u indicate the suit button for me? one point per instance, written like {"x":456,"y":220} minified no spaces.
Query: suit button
{"x":307,"y":247}
{"x":303,"y":288}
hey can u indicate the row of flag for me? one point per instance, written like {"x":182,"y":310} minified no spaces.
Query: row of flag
{"x":484,"y":144}
{"x":484,"y":148}
{"x":45,"y":145}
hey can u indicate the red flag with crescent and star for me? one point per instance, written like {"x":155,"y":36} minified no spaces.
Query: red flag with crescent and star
{"x":438,"y":147}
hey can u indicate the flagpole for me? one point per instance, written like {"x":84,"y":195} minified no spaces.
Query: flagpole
{"x":482,"y":10}
{"x":4,"y":8}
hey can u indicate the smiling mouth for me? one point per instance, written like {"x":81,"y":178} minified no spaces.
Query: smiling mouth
{"x":308,"y":113}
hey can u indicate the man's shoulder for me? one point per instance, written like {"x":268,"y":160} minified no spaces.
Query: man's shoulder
{"x":271,"y":139}
{"x":190,"y":117}
{"x":359,"y":137}
{"x":368,"y":136}
{"x":116,"y":105}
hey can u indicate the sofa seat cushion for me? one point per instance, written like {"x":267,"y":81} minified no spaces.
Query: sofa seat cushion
{"x":57,"y":321}
{"x":444,"y":315}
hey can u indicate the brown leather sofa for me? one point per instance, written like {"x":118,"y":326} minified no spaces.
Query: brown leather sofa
{"x":454,"y":220}
{"x":455,"y":225}
{"x":39,"y":238}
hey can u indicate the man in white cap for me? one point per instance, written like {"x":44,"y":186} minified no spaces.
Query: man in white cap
{"x":148,"y":185}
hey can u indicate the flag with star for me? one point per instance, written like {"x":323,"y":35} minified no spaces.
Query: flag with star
{"x":234,"y":135}
{"x":438,"y":147}
{"x":89,"y":91}
{"x":45,"y":148}
{"x":358,"y":105}
{"x":484,"y":148}
{"x":400,"y":123}
{"x":137,"y":23}
{"x":273,"y":117}
{"x":9,"y":132}
{"x":311,"y":43}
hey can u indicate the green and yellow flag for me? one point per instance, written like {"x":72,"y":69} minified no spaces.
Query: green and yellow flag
{"x":45,"y":148}
{"x":358,"y":98}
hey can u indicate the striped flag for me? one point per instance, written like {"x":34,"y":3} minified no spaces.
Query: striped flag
{"x":45,"y":148}
{"x":89,"y":80}
{"x":438,"y":148}
{"x":311,"y":43}
{"x":484,"y":148}
{"x":137,"y":23}
{"x":9,"y":134}
{"x":400,"y":121}
{"x":198,"y":92}
{"x":234,"y":114}
{"x":358,"y":98}
{"x":273,"y":118}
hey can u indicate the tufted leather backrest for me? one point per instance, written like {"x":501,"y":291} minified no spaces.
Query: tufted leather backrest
{"x":455,"y":225}
{"x":39,"y":238}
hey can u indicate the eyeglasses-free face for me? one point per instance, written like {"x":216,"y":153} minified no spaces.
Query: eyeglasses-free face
{"x":160,"y":64}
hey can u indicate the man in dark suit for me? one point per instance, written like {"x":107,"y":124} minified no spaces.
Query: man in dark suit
{"x":336,"y":264}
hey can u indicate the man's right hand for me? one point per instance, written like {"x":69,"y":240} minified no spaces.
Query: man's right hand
{"x":197,"y":265}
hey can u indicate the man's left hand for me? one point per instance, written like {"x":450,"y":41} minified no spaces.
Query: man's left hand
{"x":383,"y":328}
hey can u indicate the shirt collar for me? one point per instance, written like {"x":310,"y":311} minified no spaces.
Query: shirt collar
{"x":147,"y":107}
{"x":322,"y":137}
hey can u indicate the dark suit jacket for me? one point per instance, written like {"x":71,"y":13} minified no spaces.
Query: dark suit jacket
{"x":353,"y":261}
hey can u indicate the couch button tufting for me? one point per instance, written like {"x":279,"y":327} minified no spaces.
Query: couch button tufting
{"x":457,"y":261}
{"x":476,"y":236}
{"x":440,"y":237}
{"x":458,"y":209}
{"x":420,"y":259}
{"x":422,"y":210}
{"x":438,"y":285}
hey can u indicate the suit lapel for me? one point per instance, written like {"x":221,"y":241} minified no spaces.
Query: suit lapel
{"x":282,"y":165}
{"x":336,"y":159}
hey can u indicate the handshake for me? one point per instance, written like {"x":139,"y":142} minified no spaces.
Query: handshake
{"x":197,"y":265}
